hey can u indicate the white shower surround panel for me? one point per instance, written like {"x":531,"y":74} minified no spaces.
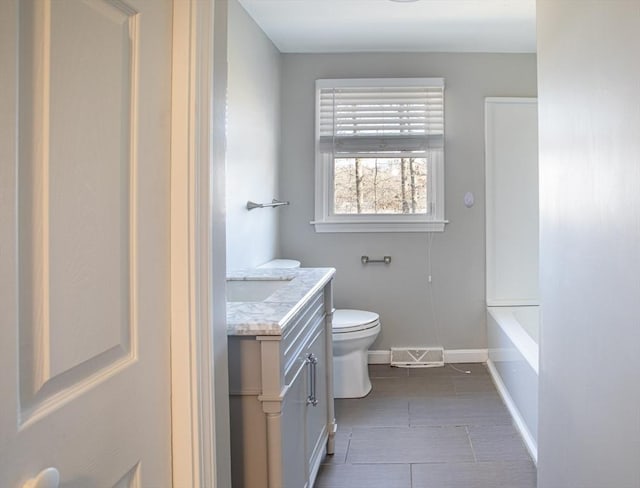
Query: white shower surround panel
{"x":511,"y":171}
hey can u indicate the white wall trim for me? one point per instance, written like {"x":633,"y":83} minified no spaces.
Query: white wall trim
{"x":528,"y":439}
{"x":379,"y":357}
{"x":200,"y":440}
{"x":466,"y":355}
{"x":450,"y":356}
{"x":351,"y":226}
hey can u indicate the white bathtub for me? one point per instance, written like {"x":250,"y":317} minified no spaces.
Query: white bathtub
{"x":513,"y":363}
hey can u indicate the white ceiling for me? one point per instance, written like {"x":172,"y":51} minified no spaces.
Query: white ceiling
{"x":314,"y":26}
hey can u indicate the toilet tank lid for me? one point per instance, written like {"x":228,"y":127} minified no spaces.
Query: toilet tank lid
{"x":281,"y":263}
{"x":343,"y":318}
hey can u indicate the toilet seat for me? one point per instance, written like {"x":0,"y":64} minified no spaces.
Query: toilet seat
{"x":354,"y":320}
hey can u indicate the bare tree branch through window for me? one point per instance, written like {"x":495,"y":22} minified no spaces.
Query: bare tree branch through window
{"x":380,"y":185}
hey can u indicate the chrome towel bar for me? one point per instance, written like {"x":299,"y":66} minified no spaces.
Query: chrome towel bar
{"x":274,"y":203}
{"x":367,"y":260}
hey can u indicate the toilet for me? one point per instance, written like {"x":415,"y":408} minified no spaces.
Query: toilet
{"x":354,"y":331}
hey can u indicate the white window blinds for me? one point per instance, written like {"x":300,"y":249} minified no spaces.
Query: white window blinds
{"x":380,"y":116}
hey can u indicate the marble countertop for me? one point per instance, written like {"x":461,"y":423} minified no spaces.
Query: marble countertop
{"x":271,"y":316}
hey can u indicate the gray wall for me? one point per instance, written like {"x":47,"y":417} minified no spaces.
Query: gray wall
{"x":253,"y":141}
{"x":400,"y":292}
{"x":589,"y":106}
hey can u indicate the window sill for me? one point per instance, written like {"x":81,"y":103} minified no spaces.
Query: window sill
{"x":380,"y":226}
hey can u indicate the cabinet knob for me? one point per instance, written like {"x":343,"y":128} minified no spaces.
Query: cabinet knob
{"x":47,"y":478}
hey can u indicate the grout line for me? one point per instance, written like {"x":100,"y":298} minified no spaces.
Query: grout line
{"x":409,"y":413}
{"x":346,"y":454}
{"x":473,"y":451}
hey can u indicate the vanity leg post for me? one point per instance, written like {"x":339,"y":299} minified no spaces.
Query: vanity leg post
{"x":332,"y":426}
{"x":271,"y":399}
{"x":274,"y":451}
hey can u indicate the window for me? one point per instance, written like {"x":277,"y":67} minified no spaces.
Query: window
{"x":380,"y":155}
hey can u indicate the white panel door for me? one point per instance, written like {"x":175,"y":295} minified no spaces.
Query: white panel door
{"x":84,"y":242}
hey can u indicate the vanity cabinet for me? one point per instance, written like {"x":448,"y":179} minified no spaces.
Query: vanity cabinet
{"x":281,"y":399}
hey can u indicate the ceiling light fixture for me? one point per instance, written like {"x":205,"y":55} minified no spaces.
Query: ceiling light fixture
{"x":403,"y":1}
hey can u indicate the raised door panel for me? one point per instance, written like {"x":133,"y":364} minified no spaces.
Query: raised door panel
{"x":316,"y":421}
{"x":294,"y":405}
{"x":89,"y":192}
{"x":77,"y":259}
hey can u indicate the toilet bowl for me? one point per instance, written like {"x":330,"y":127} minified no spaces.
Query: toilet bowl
{"x":354,"y":331}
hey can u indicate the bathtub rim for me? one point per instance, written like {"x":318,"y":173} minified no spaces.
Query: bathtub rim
{"x":505,"y":319}
{"x":517,"y":333}
{"x":529,"y":441}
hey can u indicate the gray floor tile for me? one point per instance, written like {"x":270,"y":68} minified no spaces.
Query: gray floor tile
{"x":451,"y":427}
{"x":364,"y":476}
{"x":386,"y":371}
{"x":435,"y":372}
{"x":473,"y":384}
{"x":458,"y":369}
{"x":458,"y":410}
{"x":409,"y":445}
{"x":475,"y":368}
{"x":509,"y":474}
{"x":389,"y":387}
{"x":430,"y":386}
{"x":341,"y":448}
{"x":407,"y":387}
{"x":372,"y":412}
{"x":497,"y":443}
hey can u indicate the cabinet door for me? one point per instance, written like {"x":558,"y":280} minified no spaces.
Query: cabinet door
{"x":294,"y":405}
{"x":317,"y":414}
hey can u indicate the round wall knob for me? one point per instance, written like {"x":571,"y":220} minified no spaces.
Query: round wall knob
{"x":469,"y":199}
{"x":47,"y":478}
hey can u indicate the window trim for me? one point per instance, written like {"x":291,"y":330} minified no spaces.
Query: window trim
{"x":326,"y":221}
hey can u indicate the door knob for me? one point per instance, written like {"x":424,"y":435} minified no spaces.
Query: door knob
{"x":47,"y":478}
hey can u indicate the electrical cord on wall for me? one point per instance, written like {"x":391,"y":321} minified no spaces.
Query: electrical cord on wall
{"x":434,"y":317}
{"x":458,"y":369}
{"x":430,"y":281}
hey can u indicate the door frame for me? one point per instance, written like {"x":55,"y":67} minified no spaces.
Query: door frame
{"x":199,"y":403}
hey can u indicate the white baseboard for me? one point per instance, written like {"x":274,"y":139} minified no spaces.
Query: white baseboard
{"x":379,"y":357}
{"x":450,"y":356}
{"x":466,"y":355}
{"x":528,"y":439}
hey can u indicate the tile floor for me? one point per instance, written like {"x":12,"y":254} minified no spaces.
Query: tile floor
{"x":424,"y":428}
